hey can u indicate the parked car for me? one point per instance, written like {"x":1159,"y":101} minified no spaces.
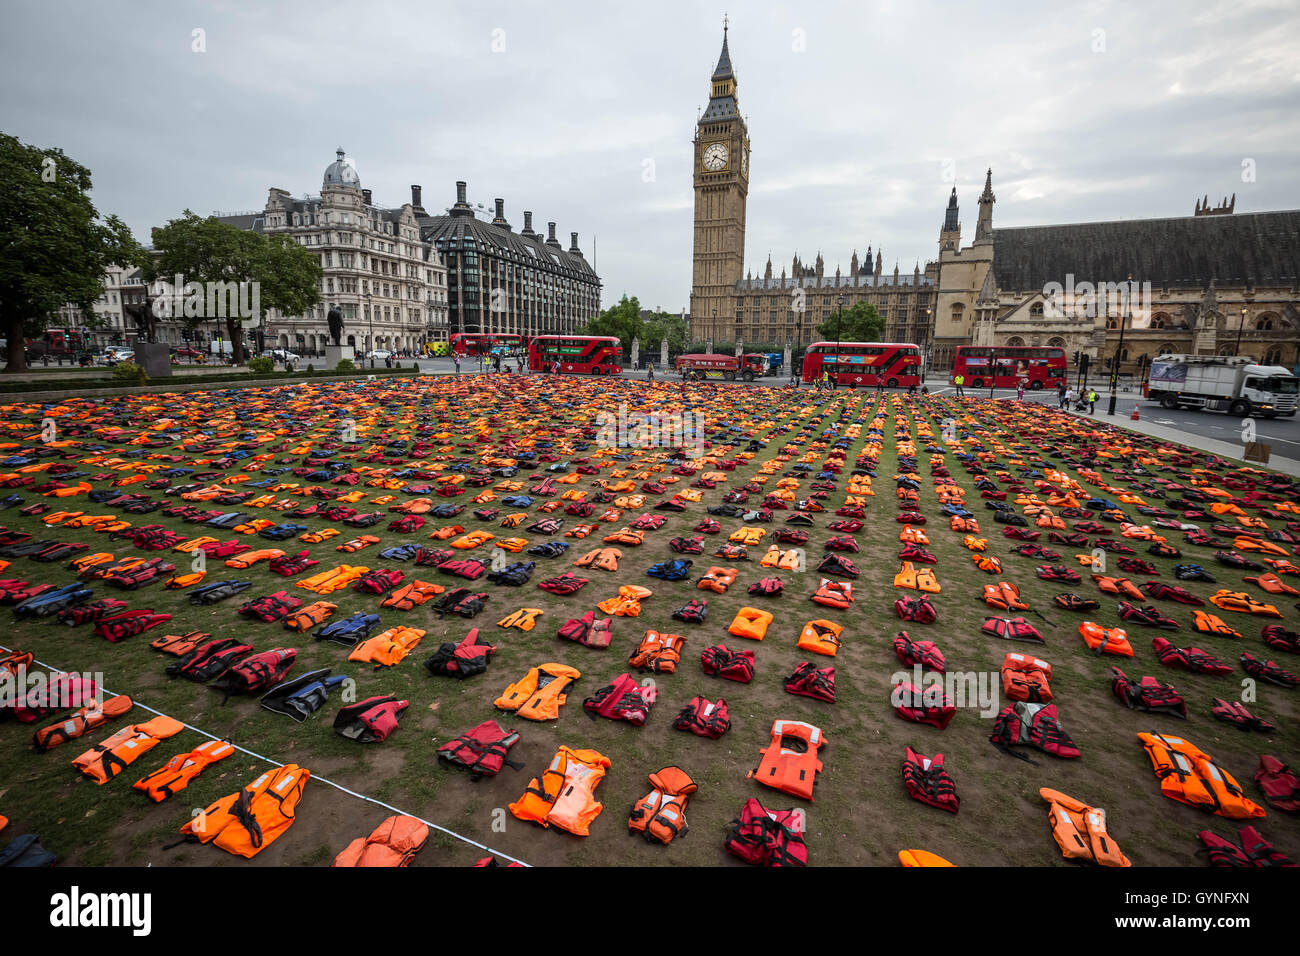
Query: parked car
{"x":379,"y":354}
{"x":186,"y":351}
{"x":117,"y":353}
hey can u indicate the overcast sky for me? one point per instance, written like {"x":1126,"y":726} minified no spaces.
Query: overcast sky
{"x":859,"y":112}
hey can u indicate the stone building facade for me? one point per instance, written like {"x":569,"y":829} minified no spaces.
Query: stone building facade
{"x":730,"y":305}
{"x":1216,"y":282}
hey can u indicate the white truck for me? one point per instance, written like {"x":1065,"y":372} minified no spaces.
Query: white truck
{"x":1223,"y":383}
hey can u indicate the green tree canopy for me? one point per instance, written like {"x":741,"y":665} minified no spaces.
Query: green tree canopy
{"x":56,"y":246}
{"x":664,"y":325}
{"x":208,"y":250}
{"x":622,"y":320}
{"x":861,"y":323}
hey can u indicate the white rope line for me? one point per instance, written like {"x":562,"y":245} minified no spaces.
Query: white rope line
{"x":274,"y":763}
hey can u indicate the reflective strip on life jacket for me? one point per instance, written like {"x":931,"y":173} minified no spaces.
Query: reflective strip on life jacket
{"x":789,"y":763}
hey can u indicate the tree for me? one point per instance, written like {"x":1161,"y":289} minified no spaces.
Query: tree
{"x":661,"y":326}
{"x":622,"y":320}
{"x":861,"y":323}
{"x":56,"y":246}
{"x":287,"y":275}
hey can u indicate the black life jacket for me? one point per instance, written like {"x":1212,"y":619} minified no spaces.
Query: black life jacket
{"x":834,"y":564}
{"x":217,"y":591}
{"x":371,"y":720}
{"x":704,"y":718}
{"x":513,"y":575}
{"x":303,"y":696}
{"x":927,"y":781}
{"x":483,"y":751}
{"x":465,"y":659}
{"x":693,"y":612}
{"x":549,"y":549}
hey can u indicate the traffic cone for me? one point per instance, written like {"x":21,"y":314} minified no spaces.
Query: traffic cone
{"x":1134,"y":416}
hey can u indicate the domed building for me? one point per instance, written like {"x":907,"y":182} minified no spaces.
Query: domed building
{"x":389,"y":284}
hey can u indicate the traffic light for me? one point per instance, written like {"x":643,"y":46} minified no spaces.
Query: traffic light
{"x":1084,"y":361}
{"x":1076,"y":356}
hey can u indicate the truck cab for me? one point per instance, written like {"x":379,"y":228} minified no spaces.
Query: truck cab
{"x":1232,"y":384}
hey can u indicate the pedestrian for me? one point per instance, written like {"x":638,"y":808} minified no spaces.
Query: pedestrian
{"x":911,"y":390}
{"x":1069,"y":398}
{"x":1060,"y":395}
{"x":650,"y":371}
{"x":1092,"y":400}
{"x":456,"y":360}
{"x":1020,"y":391}
{"x":958,"y":380}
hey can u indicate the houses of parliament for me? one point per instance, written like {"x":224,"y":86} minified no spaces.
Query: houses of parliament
{"x":1222,"y":282}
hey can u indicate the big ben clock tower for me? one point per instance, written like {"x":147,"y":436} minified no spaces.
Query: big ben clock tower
{"x":721,"y":185}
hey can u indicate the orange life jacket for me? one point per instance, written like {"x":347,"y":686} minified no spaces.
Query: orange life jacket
{"x":717,"y":579}
{"x":1189,"y":775}
{"x":1105,"y":640}
{"x":660,"y":653}
{"x":85,"y":719}
{"x":393,"y":843}
{"x":540,"y":693}
{"x":751,"y":622}
{"x":1208,"y":623}
{"x":564,"y":795}
{"x":176,"y":774}
{"x":604,"y":559}
{"x":1080,"y":830}
{"x":110,"y":756}
{"x":411,"y":595}
{"x":1241,"y":601}
{"x":789,"y":763}
{"x":921,"y":858}
{"x":388,"y":648}
{"x":1004,"y":595}
{"x":661,"y":814}
{"x":821,"y":637}
{"x":1026,"y":678}
{"x":249,"y":820}
{"x":309,"y":616}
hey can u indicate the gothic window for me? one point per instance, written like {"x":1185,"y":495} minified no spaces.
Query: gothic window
{"x":1015,"y":341}
{"x":1264,"y":323}
{"x":1056,"y":342}
{"x":1273,"y":356}
{"x":1036,"y":310}
{"x":1160,"y":320}
{"x":1167,"y":348}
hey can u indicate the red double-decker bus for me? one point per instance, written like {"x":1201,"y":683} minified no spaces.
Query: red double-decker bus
{"x":581,"y":354}
{"x":861,"y":364}
{"x":1006,"y":366}
{"x":485,"y":343}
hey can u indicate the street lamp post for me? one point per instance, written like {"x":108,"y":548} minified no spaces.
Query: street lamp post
{"x":929,"y":345}
{"x":1240,"y":325}
{"x":993,"y":368}
{"x":839,"y":333}
{"x":1119,"y":351}
{"x":370,"y":317}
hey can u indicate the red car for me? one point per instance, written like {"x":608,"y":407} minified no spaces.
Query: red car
{"x":186,"y":352}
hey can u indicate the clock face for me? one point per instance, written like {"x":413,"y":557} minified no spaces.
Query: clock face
{"x":744,"y":161}
{"x":715,"y":156}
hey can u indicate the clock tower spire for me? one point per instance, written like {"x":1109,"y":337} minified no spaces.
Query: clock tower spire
{"x":721,"y":180}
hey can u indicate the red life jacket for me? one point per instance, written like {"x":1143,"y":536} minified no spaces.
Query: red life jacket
{"x":693,"y":611}
{"x":1253,"y":851}
{"x":1281,"y":784}
{"x":1235,"y":712}
{"x":766,"y":837}
{"x":1035,"y":725}
{"x":586,"y":630}
{"x":927,"y":781}
{"x":623,"y":699}
{"x":718,"y":661}
{"x":704,"y":718}
{"x":483,"y":751}
{"x":371,"y":720}
{"x":1276,"y":636}
{"x":767,"y":587}
{"x":1191,"y":659}
{"x":1269,"y":671}
{"x":1012,"y":629}
{"x":61,"y":692}
{"x":930,"y":706}
{"x":1147,"y":694}
{"x":208,"y":660}
{"x":128,"y":624}
{"x":257,"y":673}
{"x":809,"y":680}
{"x":923,"y":653}
{"x":918,"y":610}
{"x":566,"y":583}
{"x":93,"y":611}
